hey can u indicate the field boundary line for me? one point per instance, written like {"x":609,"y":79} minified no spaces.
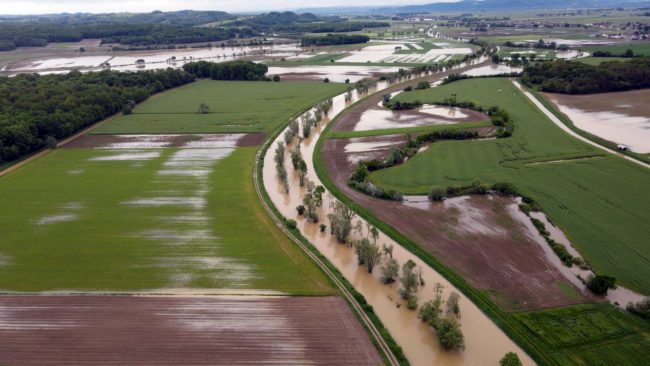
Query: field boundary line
{"x":568,"y":130}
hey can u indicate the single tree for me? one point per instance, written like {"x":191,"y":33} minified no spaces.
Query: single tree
{"x":389,"y":271}
{"x":510,"y":359}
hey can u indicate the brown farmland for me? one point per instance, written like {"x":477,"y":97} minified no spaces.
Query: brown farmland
{"x":476,"y":236}
{"x":143,"y":330}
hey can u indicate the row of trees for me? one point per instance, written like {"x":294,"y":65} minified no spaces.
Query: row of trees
{"x":232,"y":70}
{"x":580,"y":78}
{"x":334,"y":39}
{"x":35,"y":111}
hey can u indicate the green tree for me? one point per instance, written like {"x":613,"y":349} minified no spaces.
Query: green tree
{"x":450,"y":335}
{"x":389,"y":271}
{"x":510,"y":359}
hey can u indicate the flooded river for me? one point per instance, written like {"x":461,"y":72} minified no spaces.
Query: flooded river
{"x":485,"y":342}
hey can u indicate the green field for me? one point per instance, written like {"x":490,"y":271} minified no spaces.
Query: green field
{"x":600,"y":60}
{"x":144,"y":217}
{"x":63,"y":229}
{"x":589,"y":335}
{"x":639,"y":48}
{"x":234,"y":107}
{"x":599,"y":201}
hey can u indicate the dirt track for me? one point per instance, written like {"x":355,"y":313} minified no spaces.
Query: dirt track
{"x":133,"y":330}
{"x":477,"y":237}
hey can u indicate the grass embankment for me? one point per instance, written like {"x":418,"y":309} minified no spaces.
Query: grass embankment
{"x":592,"y":348}
{"x":600,"y":203}
{"x":234,"y":107}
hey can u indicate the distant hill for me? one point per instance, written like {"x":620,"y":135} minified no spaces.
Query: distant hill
{"x":484,"y":5}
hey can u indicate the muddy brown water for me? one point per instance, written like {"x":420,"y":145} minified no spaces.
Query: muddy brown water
{"x":169,"y":330}
{"x":620,"y":117}
{"x":485,"y":342}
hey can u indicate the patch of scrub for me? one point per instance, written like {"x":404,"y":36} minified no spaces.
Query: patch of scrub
{"x":215,"y":270}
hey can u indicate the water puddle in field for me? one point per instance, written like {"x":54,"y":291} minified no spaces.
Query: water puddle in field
{"x":378,"y":118}
{"x":614,"y":125}
{"x":128,"y":156}
{"x":181,"y":186}
{"x":493,"y":70}
{"x":354,"y":147}
{"x":485,"y":342}
{"x":333,"y":72}
{"x":68,"y":212}
{"x":620,"y":296}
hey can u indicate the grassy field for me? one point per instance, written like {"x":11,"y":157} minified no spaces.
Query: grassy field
{"x":93,"y":238}
{"x":599,"y":201}
{"x":590,"y":335}
{"x":173,"y":217}
{"x":639,"y":48}
{"x":600,"y":60}
{"x":234,"y":107}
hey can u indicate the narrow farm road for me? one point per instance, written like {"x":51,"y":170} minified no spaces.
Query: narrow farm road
{"x":566,"y":129}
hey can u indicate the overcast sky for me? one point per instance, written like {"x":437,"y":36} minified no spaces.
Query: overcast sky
{"x":113,"y":6}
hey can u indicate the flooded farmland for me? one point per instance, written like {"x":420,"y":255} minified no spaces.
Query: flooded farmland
{"x":334,"y":73}
{"x":621,"y":117}
{"x":170,"y":330}
{"x":486,"y":343}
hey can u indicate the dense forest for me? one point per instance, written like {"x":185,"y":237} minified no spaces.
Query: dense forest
{"x":333,"y":39}
{"x":232,"y":70}
{"x":571,"y":77}
{"x":35,"y":111}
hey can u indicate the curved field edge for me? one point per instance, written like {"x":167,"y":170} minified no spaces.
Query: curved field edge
{"x":567,"y":121}
{"x":580,"y":196}
{"x":334,"y":275}
{"x":504,"y":321}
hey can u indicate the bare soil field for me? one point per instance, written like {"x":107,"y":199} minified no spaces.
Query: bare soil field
{"x":142,"y":330}
{"x":476,"y":236}
{"x":620,"y":117}
{"x":111,"y":141}
{"x":633,"y":103}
